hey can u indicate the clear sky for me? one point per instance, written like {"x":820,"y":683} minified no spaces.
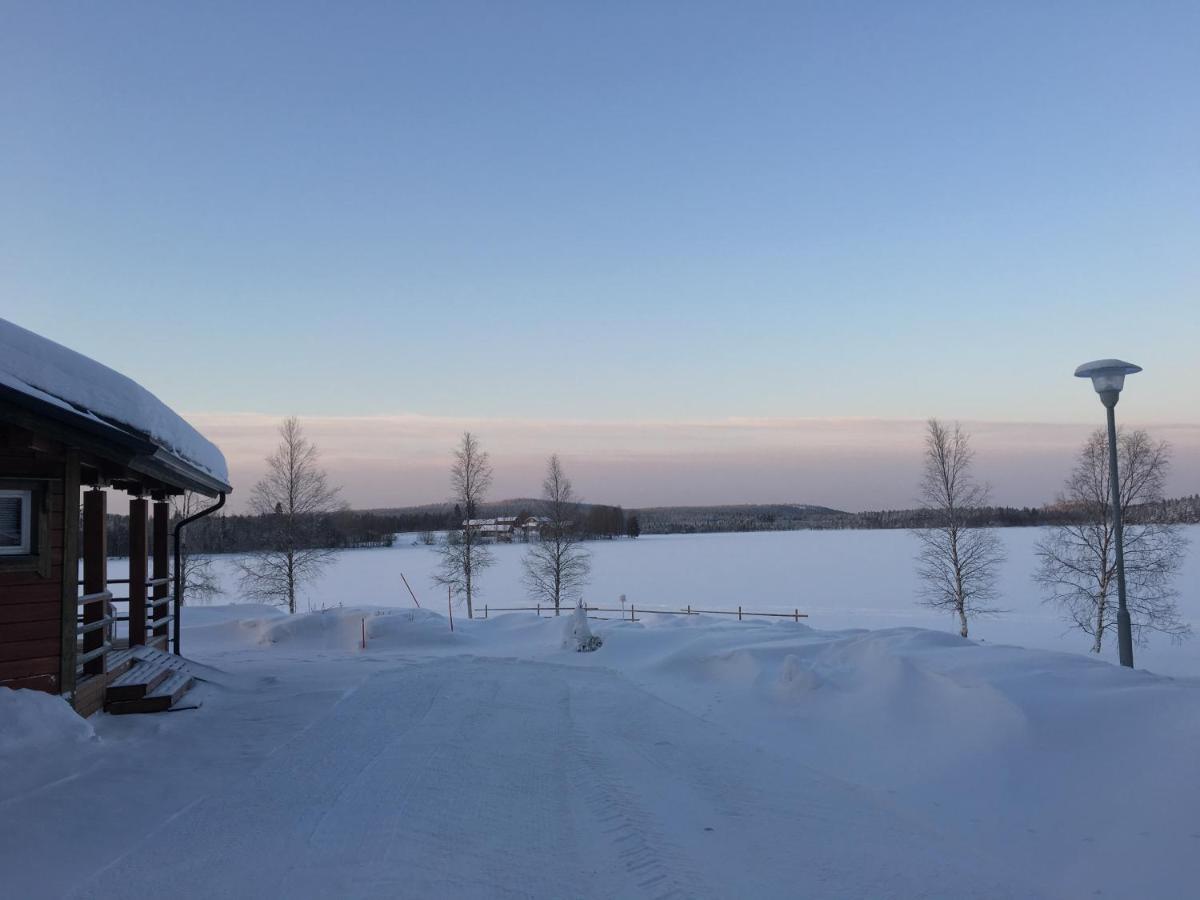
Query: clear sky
{"x":528,"y":216}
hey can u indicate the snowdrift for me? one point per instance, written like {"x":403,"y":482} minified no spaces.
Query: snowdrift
{"x":340,"y":628}
{"x":34,"y":720}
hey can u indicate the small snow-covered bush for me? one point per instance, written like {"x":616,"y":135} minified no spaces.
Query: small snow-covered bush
{"x":578,"y":633}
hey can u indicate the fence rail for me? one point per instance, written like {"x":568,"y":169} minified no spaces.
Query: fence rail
{"x":633,"y":612}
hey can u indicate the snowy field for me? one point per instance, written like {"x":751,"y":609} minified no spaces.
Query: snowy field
{"x":842,"y":579}
{"x":687,"y":757}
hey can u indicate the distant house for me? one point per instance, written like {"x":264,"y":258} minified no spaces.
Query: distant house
{"x":532,"y":527}
{"x":71,"y":432}
{"x":504,"y":529}
{"x":499,"y":530}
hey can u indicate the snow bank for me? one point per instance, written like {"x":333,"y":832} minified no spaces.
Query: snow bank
{"x":41,"y":368}
{"x":341,"y":628}
{"x":34,"y":720}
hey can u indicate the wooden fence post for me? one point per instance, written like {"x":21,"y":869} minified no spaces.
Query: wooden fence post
{"x":739,"y":612}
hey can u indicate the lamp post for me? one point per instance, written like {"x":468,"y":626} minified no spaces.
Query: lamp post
{"x":1108,"y":377}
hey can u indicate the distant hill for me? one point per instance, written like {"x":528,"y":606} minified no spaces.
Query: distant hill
{"x":739,"y":517}
{"x":775,"y":516}
{"x":445,"y":511}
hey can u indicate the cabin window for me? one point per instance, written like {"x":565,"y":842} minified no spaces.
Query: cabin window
{"x":16,"y":523}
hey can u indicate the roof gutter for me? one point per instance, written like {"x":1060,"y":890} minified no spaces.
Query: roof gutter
{"x":179,"y":579}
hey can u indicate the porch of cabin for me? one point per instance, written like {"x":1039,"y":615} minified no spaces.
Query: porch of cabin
{"x":126,"y":655}
{"x":65,"y":626}
{"x":72,"y":431}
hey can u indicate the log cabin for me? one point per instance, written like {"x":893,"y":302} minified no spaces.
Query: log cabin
{"x":72,"y":432}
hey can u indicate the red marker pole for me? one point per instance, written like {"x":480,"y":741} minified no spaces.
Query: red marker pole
{"x":450,"y":606}
{"x":364,"y":625}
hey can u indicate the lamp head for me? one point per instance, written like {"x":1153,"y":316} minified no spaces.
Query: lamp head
{"x":1108,"y":375}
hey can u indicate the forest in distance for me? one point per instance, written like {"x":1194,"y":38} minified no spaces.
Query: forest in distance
{"x":348,"y":528}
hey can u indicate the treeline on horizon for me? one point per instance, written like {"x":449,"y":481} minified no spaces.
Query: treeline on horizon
{"x":785,"y":517}
{"x":347,"y":528}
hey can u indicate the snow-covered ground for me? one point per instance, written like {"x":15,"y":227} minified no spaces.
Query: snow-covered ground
{"x":687,"y":757}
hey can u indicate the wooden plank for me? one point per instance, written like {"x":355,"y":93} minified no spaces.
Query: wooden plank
{"x":138,"y":509}
{"x":28,"y":466}
{"x":166,"y":696}
{"x":47,"y":610}
{"x":26,"y":668}
{"x":47,"y":683}
{"x":89,"y":694}
{"x":141,"y":679}
{"x":29,"y":583}
{"x":37,"y":649}
{"x":69,"y":570}
{"x":30,"y":631}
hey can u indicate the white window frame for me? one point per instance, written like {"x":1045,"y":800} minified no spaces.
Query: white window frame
{"x":26,"y":546}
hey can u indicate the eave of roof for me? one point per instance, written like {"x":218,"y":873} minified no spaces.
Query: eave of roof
{"x":132,"y":449}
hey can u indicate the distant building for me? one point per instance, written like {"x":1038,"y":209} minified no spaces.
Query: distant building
{"x":504,"y":529}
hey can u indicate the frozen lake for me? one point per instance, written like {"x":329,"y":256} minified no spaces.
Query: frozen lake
{"x":842,"y":579}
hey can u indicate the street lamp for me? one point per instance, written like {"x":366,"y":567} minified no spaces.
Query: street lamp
{"x":1108,"y":377}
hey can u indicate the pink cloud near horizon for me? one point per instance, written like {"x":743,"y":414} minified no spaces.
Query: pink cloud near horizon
{"x":854,"y":464}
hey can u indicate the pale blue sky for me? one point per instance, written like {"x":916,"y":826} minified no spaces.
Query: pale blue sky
{"x":690,"y":210}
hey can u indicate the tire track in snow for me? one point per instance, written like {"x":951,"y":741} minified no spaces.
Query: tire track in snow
{"x":653,"y":866}
{"x":469,"y":777}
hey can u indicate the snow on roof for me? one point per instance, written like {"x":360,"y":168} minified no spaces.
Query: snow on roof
{"x":40,"y":368}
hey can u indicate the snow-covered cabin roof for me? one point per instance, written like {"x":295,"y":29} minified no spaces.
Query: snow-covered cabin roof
{"x":51,"y":375}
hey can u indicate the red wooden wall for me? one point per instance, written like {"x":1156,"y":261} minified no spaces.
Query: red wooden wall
{"x":31,"y":603}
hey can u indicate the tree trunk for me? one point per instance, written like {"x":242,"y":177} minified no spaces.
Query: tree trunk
{"x":291,"y":581}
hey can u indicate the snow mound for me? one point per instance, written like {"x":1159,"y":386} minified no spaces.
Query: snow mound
{"x":342,"y":628}
{"x":577,"y":635}
{"x":32,"y":720}
{"x":33,"y":365}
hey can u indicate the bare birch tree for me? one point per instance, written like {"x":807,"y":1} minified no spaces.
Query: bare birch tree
{"x":1078,"y":569}
{"x":293,"y":497}
{"x":200,"y":582}
{"x":557,"y":566}
{"x":464,"y":554}
{"x":957,"y":562}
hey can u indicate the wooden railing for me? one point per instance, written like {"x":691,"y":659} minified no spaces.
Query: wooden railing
{"x":633,"y":612}
{"x":95,"y":632}
{"x":98,"y":618}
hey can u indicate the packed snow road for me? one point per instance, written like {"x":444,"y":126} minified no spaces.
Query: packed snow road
{"x":472,"y":777}
{"x":689,"y":757}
